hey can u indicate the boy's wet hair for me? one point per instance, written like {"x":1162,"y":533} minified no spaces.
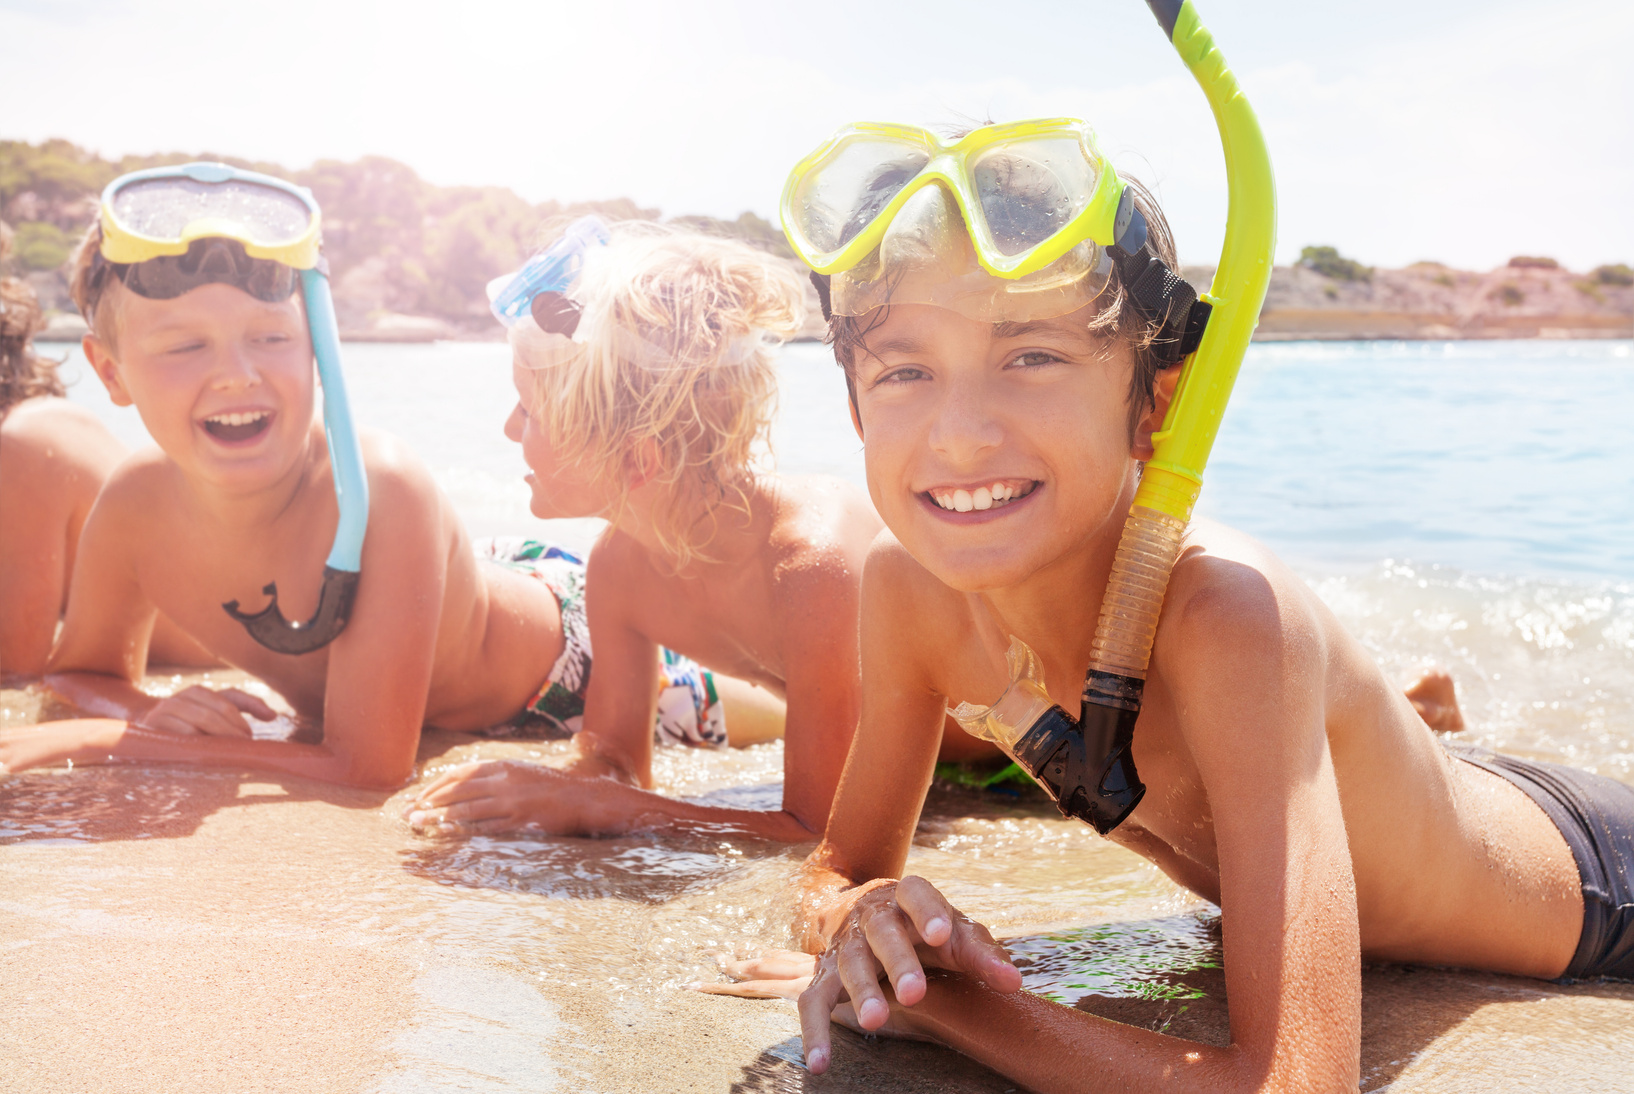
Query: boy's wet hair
{"x":1115,"y":317}
{"x":88,"y":283}
{"x":23,"y":373}
{"x":693,"y":417}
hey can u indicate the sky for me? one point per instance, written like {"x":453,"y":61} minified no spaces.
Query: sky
{"x":1461,"y":131}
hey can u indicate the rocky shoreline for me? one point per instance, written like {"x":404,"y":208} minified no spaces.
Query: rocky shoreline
{"x":1425,"y":301}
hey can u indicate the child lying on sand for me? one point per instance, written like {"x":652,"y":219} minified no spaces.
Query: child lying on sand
{"x":54,"y":457}
{"x":1286,"y":779}
{"x":239,"y":491}
{"x":652,"y":414}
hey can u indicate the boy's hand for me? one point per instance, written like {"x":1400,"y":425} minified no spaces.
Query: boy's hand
{"x":501,"y":796}
{"x":896,"y":929}
{"x":206,"y":712}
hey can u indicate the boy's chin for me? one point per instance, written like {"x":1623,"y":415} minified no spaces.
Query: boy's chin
{"x":982,"y":570}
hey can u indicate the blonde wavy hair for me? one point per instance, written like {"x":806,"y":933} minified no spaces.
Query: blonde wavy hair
{"x":672,"y":369}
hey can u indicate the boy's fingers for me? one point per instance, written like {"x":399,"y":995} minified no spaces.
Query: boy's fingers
{"x":859,"y":974}
{"x":973,"y":951}
{"x":888,"y":933}
{"x":930,"y":911}
{"x":771,"y":965}
{"x":253,"y":705}
{"x":468,"y":787}
{"x":757,"y":989}
{"x":817,"y":1004}
{"x":219,"y":714}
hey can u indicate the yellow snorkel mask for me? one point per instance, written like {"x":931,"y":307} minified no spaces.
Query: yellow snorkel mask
{"x":1010,"y":223}
{"x":1027,"y":221}
{"x":169,"y":230}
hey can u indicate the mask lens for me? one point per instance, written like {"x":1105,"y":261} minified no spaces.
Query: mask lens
{"x":842,"y":195}
{"x":1031,"y":189}
{"x":207,"y":262}
{"x":164,"y":208}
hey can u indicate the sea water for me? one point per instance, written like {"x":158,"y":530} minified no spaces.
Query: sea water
{"x":1467,"y":504}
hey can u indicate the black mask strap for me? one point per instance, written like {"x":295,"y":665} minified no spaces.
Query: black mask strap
{"x":1157,"y":292}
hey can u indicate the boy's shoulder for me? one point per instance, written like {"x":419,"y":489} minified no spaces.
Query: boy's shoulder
{"x":1230,"y":595}
{"x":821,"y":533}
{"x":49,"y":427}
{"x":389,"y":461}
{"x":897,"y":586}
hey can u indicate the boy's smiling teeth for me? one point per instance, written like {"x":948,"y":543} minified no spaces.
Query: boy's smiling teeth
{"x":236,"y":425}
{"x":996,"y":496}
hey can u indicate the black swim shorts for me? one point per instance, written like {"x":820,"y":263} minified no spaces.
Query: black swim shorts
{"x":1596,"y":816}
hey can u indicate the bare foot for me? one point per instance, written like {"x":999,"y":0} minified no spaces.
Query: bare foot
{"x":1436,"y":701}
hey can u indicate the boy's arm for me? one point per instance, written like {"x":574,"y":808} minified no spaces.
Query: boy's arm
{"x":1246,"y":672}
{"x":103,"y":647}
{"x":622,"y":700}
{"x":819,"y":606}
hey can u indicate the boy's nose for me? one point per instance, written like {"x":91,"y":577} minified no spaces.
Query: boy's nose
{"x":235,"y":369}
{"x":513,"y":424}
{"x":966,"y":426}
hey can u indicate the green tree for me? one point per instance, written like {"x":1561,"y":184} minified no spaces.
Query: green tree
{"x":1328,"y":262}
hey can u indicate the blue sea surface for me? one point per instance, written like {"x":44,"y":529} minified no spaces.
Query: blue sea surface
{"x":1495,"y":458}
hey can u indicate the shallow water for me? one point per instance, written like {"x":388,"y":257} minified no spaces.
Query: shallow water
{"x":164,"y":928}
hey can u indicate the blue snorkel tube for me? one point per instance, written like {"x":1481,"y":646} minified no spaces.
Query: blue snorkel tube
{"x":345,"y":563}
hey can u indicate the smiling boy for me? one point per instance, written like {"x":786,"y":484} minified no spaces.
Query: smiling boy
{"x":1285,"y":779}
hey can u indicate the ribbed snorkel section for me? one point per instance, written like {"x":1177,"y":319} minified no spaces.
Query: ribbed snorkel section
{"x":1134,"y":595}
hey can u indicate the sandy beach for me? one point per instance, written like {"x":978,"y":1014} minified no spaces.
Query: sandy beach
{"x":216,"y":931}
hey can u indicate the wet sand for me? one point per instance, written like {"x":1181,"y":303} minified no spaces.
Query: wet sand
{"x":213,"y":931}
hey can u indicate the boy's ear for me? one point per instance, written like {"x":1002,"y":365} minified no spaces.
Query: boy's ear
{"x":641,"y":463}
{"x":1162,"y":396}
{"x":107,"y":369}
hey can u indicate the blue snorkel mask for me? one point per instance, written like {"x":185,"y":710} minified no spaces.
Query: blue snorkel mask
{"x":539,"y":290}
{"x":171,"y":229}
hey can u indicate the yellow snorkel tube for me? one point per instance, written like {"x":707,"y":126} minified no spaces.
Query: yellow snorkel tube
{"x":1087,"y":766}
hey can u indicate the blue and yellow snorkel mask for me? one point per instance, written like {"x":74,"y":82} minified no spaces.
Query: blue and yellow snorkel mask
{"x":1027,"y":221}
{"x":169,"y":230}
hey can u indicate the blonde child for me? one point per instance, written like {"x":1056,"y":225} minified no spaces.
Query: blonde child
{"x":649,"y":404}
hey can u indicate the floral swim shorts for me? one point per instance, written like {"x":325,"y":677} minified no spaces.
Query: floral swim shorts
{"x":689,"y":707}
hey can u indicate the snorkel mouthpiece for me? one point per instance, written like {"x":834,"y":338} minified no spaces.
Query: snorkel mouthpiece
{"x":1083,"y":764}
{"x":269,"y":627}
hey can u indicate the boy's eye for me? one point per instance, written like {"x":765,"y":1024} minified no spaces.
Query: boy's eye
{"x":904,"y":375}
{"x":1034,"y":359}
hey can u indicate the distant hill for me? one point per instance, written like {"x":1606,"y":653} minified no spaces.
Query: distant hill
{"x":410,"y":259}
{"x":407,"y":258}
{"x":1328,"y":297}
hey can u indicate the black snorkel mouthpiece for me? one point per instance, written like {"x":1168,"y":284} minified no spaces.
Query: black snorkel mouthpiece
{"x":269,"y":627}
{"x":1085,"y":766}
